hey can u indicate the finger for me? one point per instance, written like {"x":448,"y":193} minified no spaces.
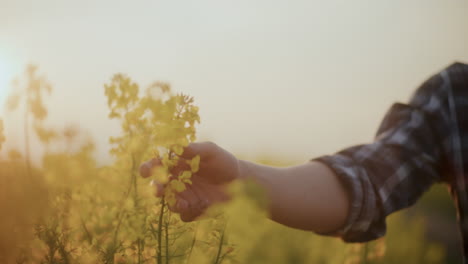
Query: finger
{"x":204,"y":149}
{"x":158,"y":188}
{"x":180,"y":206}
{"x":187,"y":216}
{"x":193,"y":200}
{"x":201,"y":206}
{"x":193,"y":211}
{"x":201,"y":196}
{"x":188,"y":195}
{"x":182,"y":165}
{"x":146,"y":167}
{"x":186,"y":213}
{"x":209,"y":193}
{"x":196,"y":205}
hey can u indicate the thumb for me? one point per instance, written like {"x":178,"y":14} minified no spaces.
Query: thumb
{"x":146,"y":167}
{"x":204,"y":149}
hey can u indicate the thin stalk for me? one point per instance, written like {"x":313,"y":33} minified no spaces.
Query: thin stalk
{"x":193,"y":243}
{"x":365,"y":252}
{"x":63,"y":252}
{"x":160,"y":227}
{"x":166,"y":236}
{"x":223,"y":256}
{"x":51,"y":254}
{"x":26,"y":140}
{"x":116,"y":233}
{"x":133,"y":175}
{"x":139,"y":242}
{"x":220,"y":247}
{"x":89,"y":237}
{"x":132,"y":183}
{"x":135,"y":188}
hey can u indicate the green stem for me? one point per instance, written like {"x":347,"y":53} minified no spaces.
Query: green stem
{"x":166,"y":236}
{"x":26,"y":141}
{"x":365,"y":252}
{"x":193,"y":244}
{"x":160,"y":227}
{"x":220,"y":247}
{"x":139,"y":250}
{"x":135,"y":189}
{"x":89,"y":237}
{"x":133,"y":180}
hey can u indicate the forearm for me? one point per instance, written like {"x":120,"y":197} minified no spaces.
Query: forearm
{"x":307,"y":196}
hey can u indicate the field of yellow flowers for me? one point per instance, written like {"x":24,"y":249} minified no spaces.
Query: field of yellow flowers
{"x":67,"y":209}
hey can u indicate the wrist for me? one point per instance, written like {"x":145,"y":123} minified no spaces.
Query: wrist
{"x":243,"y":170}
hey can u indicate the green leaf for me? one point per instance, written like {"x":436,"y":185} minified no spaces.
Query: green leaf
{"x":186,"y":175}
{"x":195,"y":164}
{"x":178,"y":186}
{"x":178,"y":150}
{"x":188,"y":181}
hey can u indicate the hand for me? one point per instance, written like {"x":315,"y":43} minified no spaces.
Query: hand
{"x":218,"y":167}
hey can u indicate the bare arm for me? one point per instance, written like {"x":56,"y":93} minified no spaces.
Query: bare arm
{"x":307,"y":196}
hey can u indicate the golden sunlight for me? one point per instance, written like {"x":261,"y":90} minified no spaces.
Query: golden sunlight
{"x":6,"y":76}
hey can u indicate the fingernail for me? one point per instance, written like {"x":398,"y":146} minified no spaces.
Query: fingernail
{"x":145,"y":170}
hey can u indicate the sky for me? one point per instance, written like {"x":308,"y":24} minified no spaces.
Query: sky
{"x":287,"y":79}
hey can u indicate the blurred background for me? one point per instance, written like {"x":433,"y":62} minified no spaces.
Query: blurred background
{"x":291,"y":78}
{"x":285,"y":80}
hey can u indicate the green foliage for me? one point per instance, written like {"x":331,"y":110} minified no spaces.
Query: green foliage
{"x":73,"y":211}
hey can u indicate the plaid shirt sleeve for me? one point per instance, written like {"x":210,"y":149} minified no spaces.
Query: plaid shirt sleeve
{"x":396,"y":169}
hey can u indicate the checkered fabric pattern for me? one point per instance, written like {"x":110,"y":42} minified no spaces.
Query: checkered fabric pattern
{"x":419,"y":143}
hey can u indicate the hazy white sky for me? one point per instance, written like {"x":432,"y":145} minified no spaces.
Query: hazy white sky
{"x":284,"y":78}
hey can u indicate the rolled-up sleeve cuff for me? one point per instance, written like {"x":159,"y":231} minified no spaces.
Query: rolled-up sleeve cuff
{"x":361,"y":196}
